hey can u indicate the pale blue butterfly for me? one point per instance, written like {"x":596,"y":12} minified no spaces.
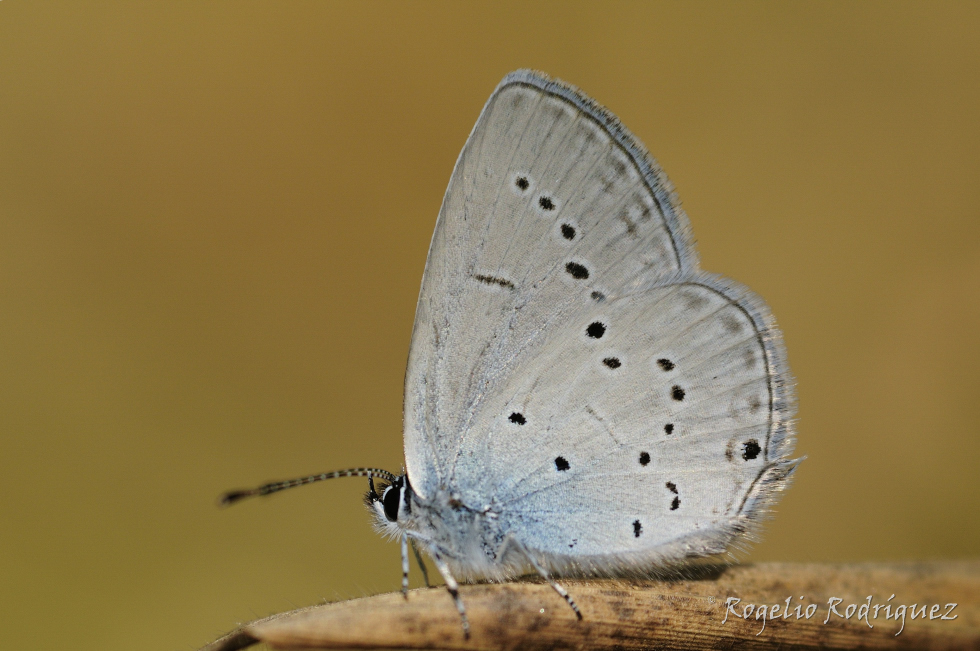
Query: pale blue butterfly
{"x":580,"y":397}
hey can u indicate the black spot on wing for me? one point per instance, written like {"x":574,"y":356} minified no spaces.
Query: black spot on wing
{"x":677,"y":393}
{"x":665,"y":364}
{"x":517,"y":418}
{"x":561,"y":464}
{"x":750,"y":449}
{"x":522,"y":183}
{"x":595,"y":330}
{"x":637,"y":528}
{"x":672,"y":487}
{"x":669,"y":428}
{"x":612,"y":362}
{"x":568,"y":232}
{"x":494,"y":280}
{"x":546,"y":203}
{"x":644,"y":458}
{"x":577,"y":271}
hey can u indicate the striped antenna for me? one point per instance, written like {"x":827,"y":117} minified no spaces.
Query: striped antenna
{"x":232,"y":497}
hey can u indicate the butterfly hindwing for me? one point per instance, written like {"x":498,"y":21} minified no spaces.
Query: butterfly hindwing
{"x":671,"y":443}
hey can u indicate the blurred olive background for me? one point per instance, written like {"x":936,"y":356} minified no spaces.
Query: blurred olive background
{"x":214,"y":219}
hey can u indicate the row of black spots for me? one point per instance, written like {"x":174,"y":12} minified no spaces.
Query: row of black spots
{"x":576,"y":270}
{"x":597,"y":329}
{"x":561,"y":464}
{"x":517,"y":418}
{"x":675,"y":504}
{"x":523,"y":184}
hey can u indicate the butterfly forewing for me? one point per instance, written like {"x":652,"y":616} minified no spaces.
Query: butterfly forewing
{"x":552,"y":207}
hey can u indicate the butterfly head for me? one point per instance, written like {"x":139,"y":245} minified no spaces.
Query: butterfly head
{"x":392,"y":506}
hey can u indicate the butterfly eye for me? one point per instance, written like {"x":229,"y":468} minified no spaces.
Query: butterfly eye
{"x":391,"y":498}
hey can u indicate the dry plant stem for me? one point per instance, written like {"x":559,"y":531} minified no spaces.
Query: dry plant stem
{"x":681,"y":614}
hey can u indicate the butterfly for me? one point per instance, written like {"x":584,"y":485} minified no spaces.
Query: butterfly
{"x":580,"y":398}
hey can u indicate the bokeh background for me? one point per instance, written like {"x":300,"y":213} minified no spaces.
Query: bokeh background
{"x":214,"y":219}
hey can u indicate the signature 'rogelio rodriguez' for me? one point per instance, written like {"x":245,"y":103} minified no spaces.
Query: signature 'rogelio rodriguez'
{"x":835,"y":608}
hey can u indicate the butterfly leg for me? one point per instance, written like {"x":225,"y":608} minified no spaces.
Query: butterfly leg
{"x":453,"y":588}
{"x":418,"y":558}
{"x":547,"y":577}
{"x":405,"y":565}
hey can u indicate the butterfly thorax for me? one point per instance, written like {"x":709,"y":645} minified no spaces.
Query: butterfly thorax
{"x":470,"y":539}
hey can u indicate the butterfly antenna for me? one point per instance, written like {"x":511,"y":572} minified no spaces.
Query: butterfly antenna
{"x":231,"y":497}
